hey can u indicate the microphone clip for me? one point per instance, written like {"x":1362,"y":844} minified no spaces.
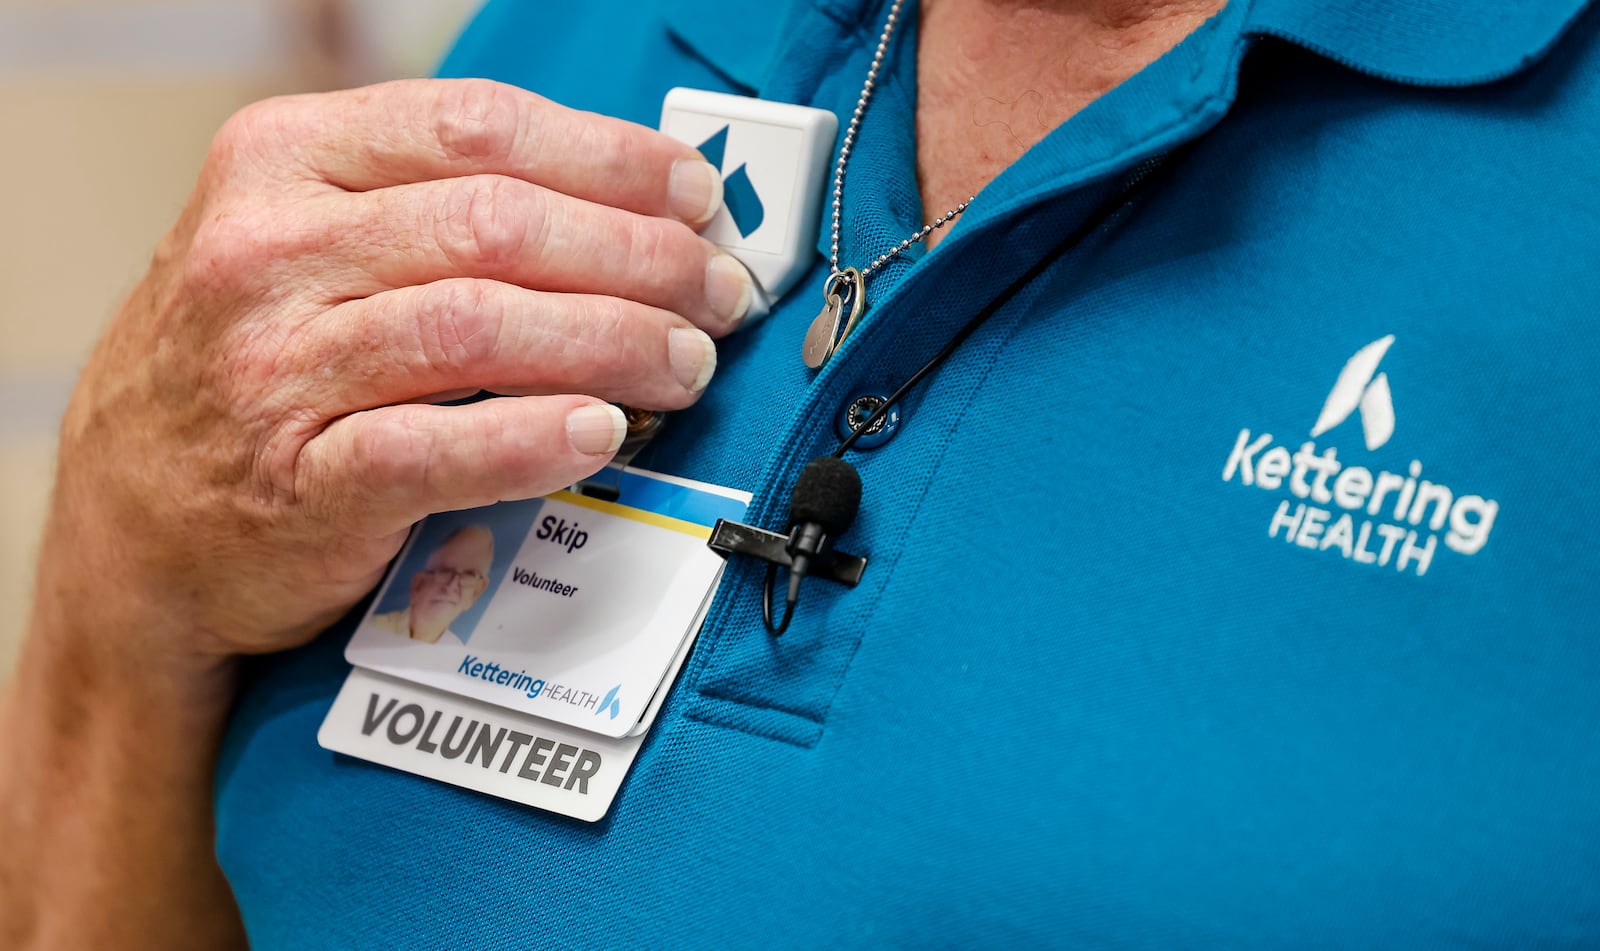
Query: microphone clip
{"x":823,"y":504}
{"x":737,"y":538}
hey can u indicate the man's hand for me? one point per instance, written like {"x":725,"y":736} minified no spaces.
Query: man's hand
{"x":254,"y":435}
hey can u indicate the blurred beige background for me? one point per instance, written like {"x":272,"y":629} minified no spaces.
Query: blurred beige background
{"x":106,"y":108}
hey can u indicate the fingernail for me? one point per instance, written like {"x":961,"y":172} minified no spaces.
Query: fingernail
{"x":729,"y":289}
{"x":596,"y":429}
{"x":694,"y":190}
{"x":694,"y":357}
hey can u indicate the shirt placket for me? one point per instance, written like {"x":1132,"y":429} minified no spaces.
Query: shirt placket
{"x":781,"y":688}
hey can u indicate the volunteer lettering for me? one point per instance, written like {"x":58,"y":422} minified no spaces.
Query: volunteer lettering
{"x":552,"y":585}
{"x":547,"y":761}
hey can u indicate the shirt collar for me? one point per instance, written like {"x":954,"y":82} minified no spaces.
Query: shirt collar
{"x":734,"y":40}
{"x":1421,"y":42}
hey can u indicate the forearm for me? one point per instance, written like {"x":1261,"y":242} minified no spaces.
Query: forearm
{"x":105,"y":794}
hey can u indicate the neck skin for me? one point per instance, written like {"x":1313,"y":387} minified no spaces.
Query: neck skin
{"x":426,"y":627}
{"x":995,"y":76}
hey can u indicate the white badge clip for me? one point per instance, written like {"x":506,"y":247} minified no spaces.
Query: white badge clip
{"x":774,"y":162}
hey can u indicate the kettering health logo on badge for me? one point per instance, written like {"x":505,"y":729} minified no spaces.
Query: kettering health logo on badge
{"x":1388,"y":519}
{"x":611,"y":704}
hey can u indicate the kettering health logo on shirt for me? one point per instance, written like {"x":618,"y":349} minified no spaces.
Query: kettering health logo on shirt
{"x":1384,"y":518}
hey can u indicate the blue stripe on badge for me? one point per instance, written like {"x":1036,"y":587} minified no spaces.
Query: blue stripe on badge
{"x":676,"y":501}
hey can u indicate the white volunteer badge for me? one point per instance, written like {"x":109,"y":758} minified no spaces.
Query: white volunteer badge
{"x":561,"y":620}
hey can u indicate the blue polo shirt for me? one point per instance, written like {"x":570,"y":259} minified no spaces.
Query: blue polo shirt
{"x":1234,"y":586}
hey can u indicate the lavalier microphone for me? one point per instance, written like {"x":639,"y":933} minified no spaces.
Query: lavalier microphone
{"x":825,"y":500}
{"x":821,"y":507}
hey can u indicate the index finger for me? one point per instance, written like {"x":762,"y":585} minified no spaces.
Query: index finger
{"x":419,"y":130}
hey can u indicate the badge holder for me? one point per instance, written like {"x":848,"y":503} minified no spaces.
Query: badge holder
{"x":606,"y":485}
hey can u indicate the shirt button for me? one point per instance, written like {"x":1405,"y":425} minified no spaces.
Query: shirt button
{"x":858,"y":410}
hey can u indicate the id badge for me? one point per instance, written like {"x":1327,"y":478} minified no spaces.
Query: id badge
{"x":560,"y":619}
{"x":565,"y":607}
{"x":479,"y":746}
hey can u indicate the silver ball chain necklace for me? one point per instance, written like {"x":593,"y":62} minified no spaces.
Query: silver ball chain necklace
{"x":844,"y":294}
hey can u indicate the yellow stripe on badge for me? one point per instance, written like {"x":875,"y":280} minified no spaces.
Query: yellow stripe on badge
{"x":638,"y":515}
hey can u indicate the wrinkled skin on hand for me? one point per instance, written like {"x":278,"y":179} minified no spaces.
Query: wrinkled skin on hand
{"x":254,"y":435}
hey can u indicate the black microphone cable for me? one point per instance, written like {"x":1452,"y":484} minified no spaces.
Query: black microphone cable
{"x":1141,"y":178}
{"x":827,"y":496}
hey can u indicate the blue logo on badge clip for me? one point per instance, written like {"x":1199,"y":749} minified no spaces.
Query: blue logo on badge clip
{"x":744,"y":205}
{"x":611,"y":703}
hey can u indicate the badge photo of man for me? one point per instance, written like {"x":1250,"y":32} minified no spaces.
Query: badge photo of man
{"x":450,"y":582}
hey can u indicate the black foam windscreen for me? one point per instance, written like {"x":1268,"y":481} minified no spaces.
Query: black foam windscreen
{"x":828,"y":492}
